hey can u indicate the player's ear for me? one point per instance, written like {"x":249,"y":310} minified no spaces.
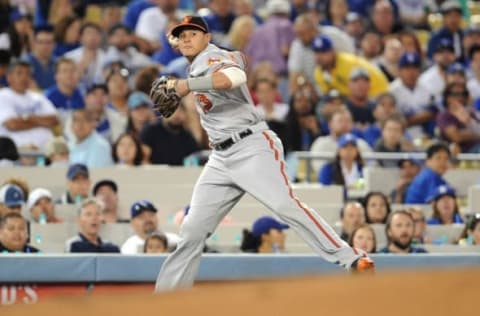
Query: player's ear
{"x":209,"y":36}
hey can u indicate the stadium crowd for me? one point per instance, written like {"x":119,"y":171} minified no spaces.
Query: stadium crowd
{"x":346,"y":77}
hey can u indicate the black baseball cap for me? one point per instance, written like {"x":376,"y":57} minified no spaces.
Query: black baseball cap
{"x":191,"y":22}
{"x":102,"y":183}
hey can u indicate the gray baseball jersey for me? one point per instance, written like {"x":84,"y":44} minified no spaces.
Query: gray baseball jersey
{"x":223,"y":112}
{"x":252,"y":164}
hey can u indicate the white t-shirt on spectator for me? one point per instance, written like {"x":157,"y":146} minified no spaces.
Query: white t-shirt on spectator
{"x":135,"y":244}
{"x":280,"y":111}
{"x":473,"y":86}
{"x":15,"y":105}
{"x":151,"y":24}
{"x":93,"y":72}
{"x":433,"y":75}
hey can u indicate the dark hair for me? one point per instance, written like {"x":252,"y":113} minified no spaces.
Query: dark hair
{"x":8,"y":149}
{"x":388,"y":224}
{"x":367,"y":198}
{"x":437,"y":147}
{"x":4,"y":218}
{"x":87,"y":25}
{"x":352,"y":235}
{"x":63,"y":60}
{"x":5,"y":57}
{"x":118,"y":26}
{"x":394,"y":117}
{"x":46,"y":28}
{"x":471,"y":223}
{"x":137,"y":160}
{"x":473,"y":50}
{"x":61,"y":27}
{"x":158,"y":236}
{"x":19,"y":63}
{"x":449,"y":89}
{"x":337,"y":174}
{"x":250,"y":243}
{"x":436,"y":213}
{"x":145,"y":77}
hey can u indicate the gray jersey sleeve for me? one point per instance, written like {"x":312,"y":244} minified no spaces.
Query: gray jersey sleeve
{"x":214,"y":59}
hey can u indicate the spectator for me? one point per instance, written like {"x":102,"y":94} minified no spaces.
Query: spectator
{"x":445,"y":207}
{"x":152,"y":22}
{"x":265,"y":90}
{"x":266,"y":236}
{"x":5,"y":57}
{"x":220,"y":19}
{"x":400,"y":230}
{"x":340,"y":124}
{"x":156,"y":243}
{"x":471,"y":233}
{"x":65,"y":94}
{"x":144,"y":222}
{"x":133,"y":11}
{"x":388,"y":61}
{"x":413,"y":98}
{"x":409,"y":168}
{"x":120,"y":49}
{"x":14,"y":234}
{"x":8,"y":152}
{"x":383,"y":18}
{"x":78,"y":185}
{"x":452,"y":28}
{"x":330,"y":103}
{"x":118,"y":90}
{"x":89,"y":223}
{"x":67,"y":35}
{"x":166,"y":55}
{"x":456,"y":74}
{"x":358,"y":102}
{"x":57,"y":152}
{"x":459,"y":123}
{"x":128,"y":150}
{"x":377,"y":207}
{"x":355,"y":27}
{"x":471,"y":38}
{"x":347,"y":168}
{"x":89,"y":57}
{"x":88,"y":147}
{"x":364,"y":238}
{"x":145,"y":77}
{"x":20,"y":33}
{"x":371,"y":46}
{"x":333,"y":69}
{"x":431,"y":176}
{"x":240,"y":33}
{"x":301,"y":58}
{"x":443,"y":57}
{"x":21,"y":183}
{"x":474,"y":81}
{"x":140,"y":112}
{"x":392,"y":140}
{"x":11,"y":199}
{"x":384,"y":108}
{"x":106,"y":191}
{"x":41,"y":58}
{"x":26,"y":117}
{"x":271,"y":41}
{"x":168,"y":140}
{"x":41,"y":207}
{"x":352,"y":216}
{"x":420,"y":225}
{"x":410,"y":43}
{"x":336,"y":13}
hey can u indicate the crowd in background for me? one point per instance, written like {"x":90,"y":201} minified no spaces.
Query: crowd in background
{"x":346,"y":77}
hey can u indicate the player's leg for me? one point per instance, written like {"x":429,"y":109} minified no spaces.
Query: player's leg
{"x":213,"y":197}
{"x":262,"y":175}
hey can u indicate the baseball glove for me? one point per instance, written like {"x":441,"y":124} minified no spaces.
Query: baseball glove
{"x":164,"y":97}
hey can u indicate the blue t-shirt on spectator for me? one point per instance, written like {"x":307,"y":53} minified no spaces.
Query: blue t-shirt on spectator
{"x":44,"y":75}
{"x":218,"y":24}
{"x":423,"y":186}
{"x":65,"y":102}
{"x":166,"y":54}
{"x":63,"y":48}
{"x":133,"y":12}
{"x":372,"y":134}
{"x":82,"y":244}
{"x":457,"y":219}
{"x":325,"y":176}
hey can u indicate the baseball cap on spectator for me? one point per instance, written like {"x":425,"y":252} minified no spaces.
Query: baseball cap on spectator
{"x":456,"y":68}
{"x":76,"y":170}
{"x":359,"y":73}
{"x":8,"y":149}
{"x":96,"y":86}
{"x":17,"y":15}
{"x":137,"y":99}
{"x":36,"y":195}
{"x":264,"y":224}
{"x":102,"y":183}
{"x":277,"y":7}
{"x":322,"y":44}
{"x":441,"y":191}
{"x":57,"y":145}
{"x":449,"y":6}
{"x":410,"y":60}
{"x":191,"y":22}
{"x":142,"y":206}
{"x":347,"y":139}
{"x":444,"y":44}
{"x":11,"y":195}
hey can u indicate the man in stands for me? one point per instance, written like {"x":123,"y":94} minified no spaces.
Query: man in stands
{"x":400,"y":229}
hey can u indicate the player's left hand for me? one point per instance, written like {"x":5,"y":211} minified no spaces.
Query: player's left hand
{"x":181,"y":87}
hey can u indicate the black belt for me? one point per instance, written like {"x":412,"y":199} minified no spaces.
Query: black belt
{"x":227,"y":143}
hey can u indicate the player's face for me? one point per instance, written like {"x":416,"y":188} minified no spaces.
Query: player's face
{"x":191,"y":42}
{"x":14,"y":234}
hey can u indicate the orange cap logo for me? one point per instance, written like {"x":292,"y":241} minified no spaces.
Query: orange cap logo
{"x":187,"y":19}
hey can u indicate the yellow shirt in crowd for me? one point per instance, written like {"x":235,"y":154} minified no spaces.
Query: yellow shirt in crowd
{"x":338,"y":78}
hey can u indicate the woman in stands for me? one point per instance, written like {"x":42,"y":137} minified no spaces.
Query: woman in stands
{"x":364,"y":238}
{"x":266,"y":236}
{"x":377,"y":207}
{"x":445,"y":207}
{"x":347,"y":167}
{"x":127,"y":150}
{"x":471,"y":233}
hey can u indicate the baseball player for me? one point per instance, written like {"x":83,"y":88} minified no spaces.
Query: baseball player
{"x":246,"y":157}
